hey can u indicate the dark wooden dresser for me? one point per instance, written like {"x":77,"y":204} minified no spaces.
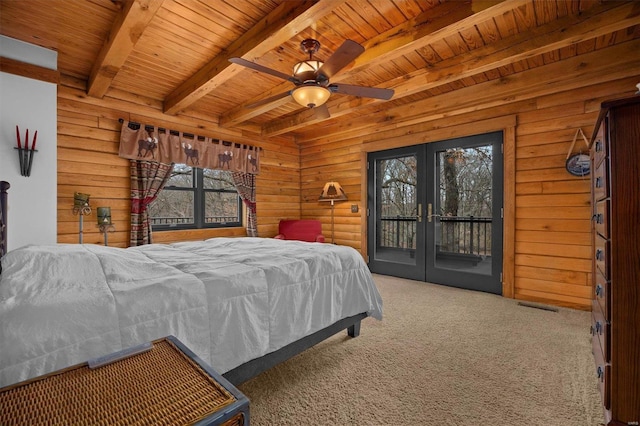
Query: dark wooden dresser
{"x":615,"y":329}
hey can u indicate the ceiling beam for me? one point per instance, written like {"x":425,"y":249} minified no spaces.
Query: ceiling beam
{"x":242,"y":112}
{"x":127,"y":29}
{"x":283,"y":23}
{"x":445,"y":20}
{"x":25,"y":69}
{"x":599,"y":20}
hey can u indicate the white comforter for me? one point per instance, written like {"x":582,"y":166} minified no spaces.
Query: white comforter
{"x":229,"y":300}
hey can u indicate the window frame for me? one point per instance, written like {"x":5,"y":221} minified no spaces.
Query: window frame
{"x":199,"y":196}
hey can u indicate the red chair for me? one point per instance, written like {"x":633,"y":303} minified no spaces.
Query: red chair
{"x":300,"y":229}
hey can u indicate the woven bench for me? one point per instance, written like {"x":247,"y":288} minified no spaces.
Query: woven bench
{"x":164,"y":385}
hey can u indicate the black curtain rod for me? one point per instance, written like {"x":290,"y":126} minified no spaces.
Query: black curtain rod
{"x":136,"y":126}
{"x":148,"y":127}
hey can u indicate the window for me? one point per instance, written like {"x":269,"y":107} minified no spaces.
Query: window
{"x":197,"y":198}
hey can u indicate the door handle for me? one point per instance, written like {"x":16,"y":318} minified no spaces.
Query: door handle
{"x":430,"y":214}
{"x":419,"y":215}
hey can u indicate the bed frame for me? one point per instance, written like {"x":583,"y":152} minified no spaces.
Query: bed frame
{"x":251,"y":368}
{"x":254,"y":367}
{"x":4,"y":187}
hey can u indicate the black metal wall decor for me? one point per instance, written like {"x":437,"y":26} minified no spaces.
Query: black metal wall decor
{"x":25,"y":155}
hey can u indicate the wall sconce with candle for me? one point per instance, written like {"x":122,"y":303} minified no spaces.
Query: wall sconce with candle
{"x":81,"y":208}
{"x":104,"y":222}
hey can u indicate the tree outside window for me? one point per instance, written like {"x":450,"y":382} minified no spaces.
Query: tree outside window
{"x":197,"y":198}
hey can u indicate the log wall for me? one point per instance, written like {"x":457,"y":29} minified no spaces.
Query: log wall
{"x":88,"y":139}
{"x":547,"y":211}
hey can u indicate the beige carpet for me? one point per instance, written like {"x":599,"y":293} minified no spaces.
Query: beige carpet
{"x":441,"y":356}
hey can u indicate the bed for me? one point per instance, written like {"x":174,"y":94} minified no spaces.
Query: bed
{"x":241,"y":304}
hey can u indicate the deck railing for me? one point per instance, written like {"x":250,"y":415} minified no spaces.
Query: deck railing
{"x":455,"y":234}
{"x":465,"y":234}
{"x":189,"y":220}
{"x":397,"y":232}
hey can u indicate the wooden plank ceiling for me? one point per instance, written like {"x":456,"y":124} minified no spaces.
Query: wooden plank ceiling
{"x":177,"y":51}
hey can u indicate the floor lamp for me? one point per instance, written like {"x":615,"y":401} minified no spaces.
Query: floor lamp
{"x":333,"y":192}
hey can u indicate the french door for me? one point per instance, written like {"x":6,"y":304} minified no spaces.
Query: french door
{"x":435,"y":212}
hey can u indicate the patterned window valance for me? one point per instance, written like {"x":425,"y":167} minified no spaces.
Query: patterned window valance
{"x":150,"y":143}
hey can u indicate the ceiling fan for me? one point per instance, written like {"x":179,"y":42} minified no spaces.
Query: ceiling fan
{"x":311,"y":77}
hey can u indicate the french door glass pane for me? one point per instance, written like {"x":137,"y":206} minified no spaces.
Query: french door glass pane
{"x":396,"y":187}
{"x":463,"y":211}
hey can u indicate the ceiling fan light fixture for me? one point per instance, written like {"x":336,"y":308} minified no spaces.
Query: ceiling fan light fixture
{"x":306,"y":66}
{"x":311,"y":95}
{"x":311,"y":77}
{"x":306,"y":70}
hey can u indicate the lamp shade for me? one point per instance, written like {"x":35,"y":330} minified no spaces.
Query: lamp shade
{"x":332,"y":191}
{"x":311,"y":95}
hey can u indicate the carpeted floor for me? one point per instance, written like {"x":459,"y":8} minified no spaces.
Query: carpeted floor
{"x":441,"y":356}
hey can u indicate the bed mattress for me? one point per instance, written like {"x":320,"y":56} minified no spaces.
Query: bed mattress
{"x":230,"y":300}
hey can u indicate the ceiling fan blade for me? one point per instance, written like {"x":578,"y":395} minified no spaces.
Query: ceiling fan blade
{"x":321,"y":112}
{"x":364,"y":92}
{"x":269,"y":99}
{"x":257,"y":67}
{"x":346,"y":53}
